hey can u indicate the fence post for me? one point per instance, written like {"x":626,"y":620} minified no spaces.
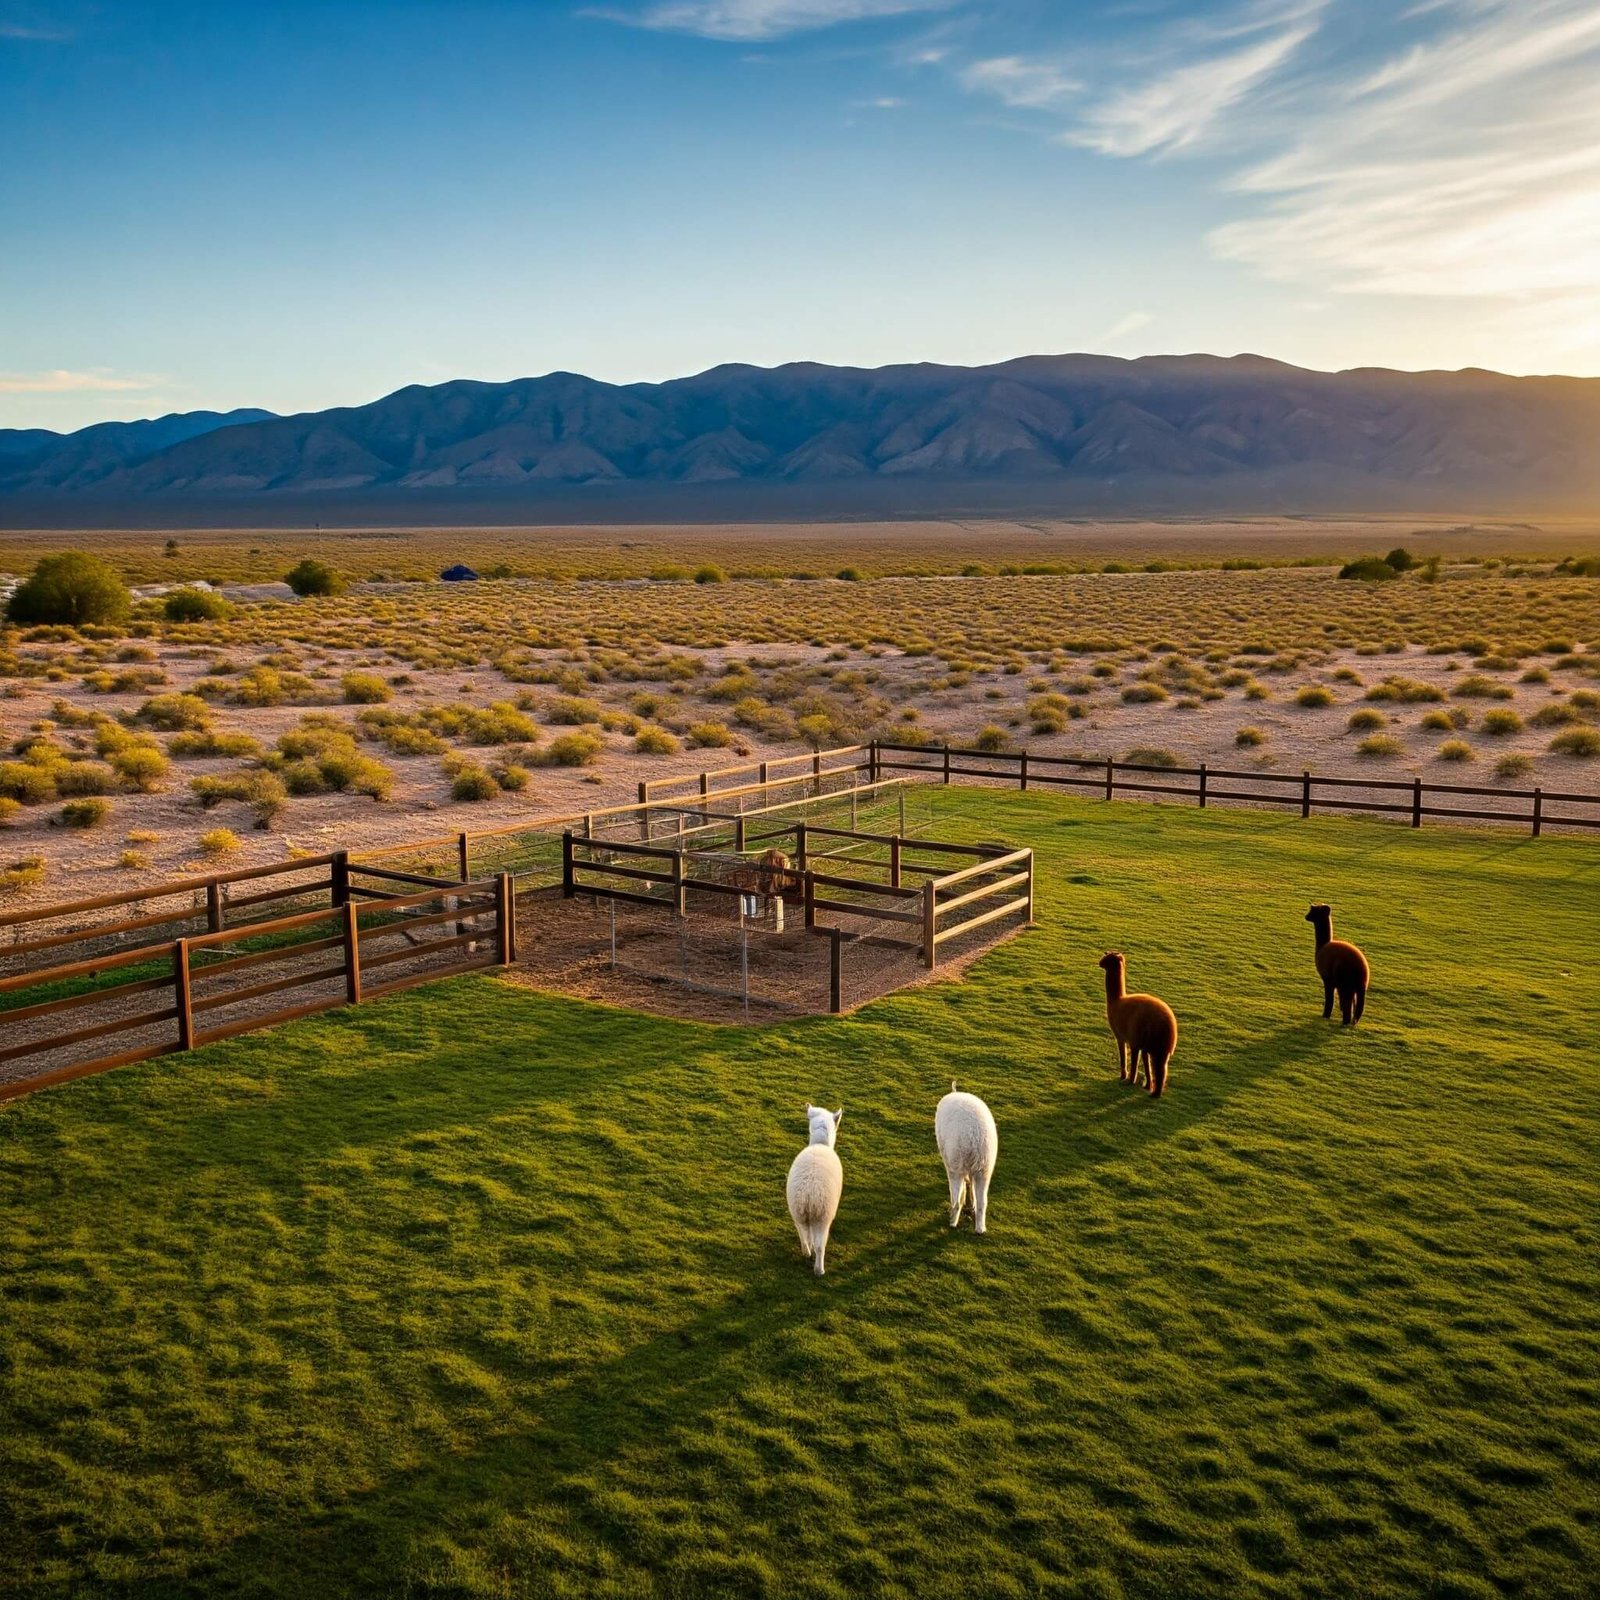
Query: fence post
{"x":762,"y":773}
{"x":835,"y":975}
{"x":214,"y":907}
{"x":738,"y":832}
{"x":352,"y":954}
{"x":339,"y":878}
{"x":855,"y":815}
{"x":1202,"y":786}
{"x":894,"y":862}
{"x":1305,"y":794}
{"x":644,"y":791}
{"x":1023,"y":776}
{"x":947,"y":762}
{"x":506,"y":917}
{"x":463,"y":862}
{"x":680,"y":901}
{"x":705,"y":784}
{"x":568,"y":889}
{"x":930,"y":918}
{"x":183,"y":997}
{"x":872,"y":762}
{"x":1029,"y":922}
{"x":1538,"y":811}
{"x":1416,"y":802}
{"x":809,"y":898}
{"x":816,"y":772}
{"x":800,"y":845}
{"x":1111,"y":768}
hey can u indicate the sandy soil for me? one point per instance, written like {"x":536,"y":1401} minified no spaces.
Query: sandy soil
{"x":1293,"y":737}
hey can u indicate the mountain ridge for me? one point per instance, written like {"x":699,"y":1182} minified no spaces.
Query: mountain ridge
{"x":1080,"y":422}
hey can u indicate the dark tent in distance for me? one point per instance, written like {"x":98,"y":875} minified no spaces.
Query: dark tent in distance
{"x":459,"y":574}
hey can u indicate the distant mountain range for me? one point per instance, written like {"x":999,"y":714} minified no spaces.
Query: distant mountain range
{"x":1041,"y":428}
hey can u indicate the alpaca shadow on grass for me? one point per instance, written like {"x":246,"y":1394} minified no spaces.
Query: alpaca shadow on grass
{"x":672,"y":1381}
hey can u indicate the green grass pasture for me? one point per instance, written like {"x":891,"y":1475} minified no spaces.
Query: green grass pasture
{"x":478,"y":1292}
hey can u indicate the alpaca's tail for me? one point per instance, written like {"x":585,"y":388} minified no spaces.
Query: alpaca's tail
{"x":952,"y":1086}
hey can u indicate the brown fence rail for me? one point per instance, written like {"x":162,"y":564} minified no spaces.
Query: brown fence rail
{"x":218,"y":984}
{"x":1303,"y":791}
{"x":914,"y":885}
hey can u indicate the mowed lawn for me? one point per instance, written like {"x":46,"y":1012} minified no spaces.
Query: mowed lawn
{"x":479,"y":1292}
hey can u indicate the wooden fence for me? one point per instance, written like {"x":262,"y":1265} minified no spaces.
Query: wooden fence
{"x":1535,"y":809}
{"x":195,"y":982}
{"x":945,"y":904}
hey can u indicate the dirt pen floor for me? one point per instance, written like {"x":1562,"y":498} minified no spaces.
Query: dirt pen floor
{"x":701,"y":967}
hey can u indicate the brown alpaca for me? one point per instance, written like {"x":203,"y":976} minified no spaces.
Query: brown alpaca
{"x":1143,"y":1027}
{"x":1342,"y":968}
{"x":771,"y":874}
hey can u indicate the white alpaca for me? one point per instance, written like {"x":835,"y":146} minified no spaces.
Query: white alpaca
{"x":970,"y":1145}
{"x":816,"y":1181}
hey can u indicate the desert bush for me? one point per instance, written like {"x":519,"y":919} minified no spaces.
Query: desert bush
{"x":1456,"y":750}
{"x":10,"y":810}
{"x":72,"y":589}
{"x":314,"y":578}
{"x":220,"y":842}
{"x":572,"y":750}
{"x":1249,"y":737}
{"x":709,"y":736}
{"x":1499,"y":722}
{"x":140,"y":768}
{"x":1476,"y":686}
{"x":1581,"y":743}
{"x":84,"y":777}
{"x":568,"y":711}
{"x":1514,"y":765}
{"x":364,"y":689}
{"x":470,"y":783}
{"x":1145,"y":755}
{"x":133,"y":860}
{"x":1368,"y":569}
{"x":26,"y":782}
{"x":655,"y":742}
{"x":27,"y":873}
{"x":1379,"y":746}
{"x":173,"y":712}
{"x":209,"y":742}
{"x":1407,"y":691}
{"x":87,"y":813}
{"x":710,"y":574}
{"x":1313,"y":696}
{"x":263,"y":792}
{"x":1365,"y":720}
{"x":195,"y":605}
{"x":511,"y":776}
{"x":1143,"y":693}
{"x":1558,"y":714}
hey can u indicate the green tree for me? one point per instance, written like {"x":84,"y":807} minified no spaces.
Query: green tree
{"x":72,"y":588}
{"x":310,"y":577}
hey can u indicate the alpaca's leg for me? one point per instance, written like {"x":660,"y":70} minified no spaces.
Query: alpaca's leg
{"x":1361,"y":1003}
{"x":821,"y":1251}
{"x":1122,"y":1060}
{"x":1158,"y":1075}
{"x":980,"y":1201}
{"x":1142,"y":1067}
{"x":958,"y":1195}
{"x":1347,"y":1005}
{"x":1327,"y":999}
{"x":805,"y":1241}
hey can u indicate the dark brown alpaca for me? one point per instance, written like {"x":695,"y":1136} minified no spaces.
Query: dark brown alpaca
{"x":1342,"y":968}
{"x":1144,"y":1027}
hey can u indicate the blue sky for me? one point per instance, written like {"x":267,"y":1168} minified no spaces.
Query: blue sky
{"x":298,"y":205}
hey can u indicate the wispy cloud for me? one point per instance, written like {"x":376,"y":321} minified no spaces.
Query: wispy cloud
{"x":1132,"y":323}
{"x":1178,"y":108}
{"x":1019,"y":82}
{"x":61,"y":381}
{"x":751,"y":20}
{"x":1466,"y":165}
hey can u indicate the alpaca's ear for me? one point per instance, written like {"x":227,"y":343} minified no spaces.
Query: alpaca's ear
{"x":838,"y":1116}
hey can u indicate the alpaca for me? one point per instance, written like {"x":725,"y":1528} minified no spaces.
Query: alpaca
{"x":964,"y":1127}
{"x":1145,"y":1029}
{"x":1342,"y":968}
{"x":815,"y":1182}
{"x":770,"y":875}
